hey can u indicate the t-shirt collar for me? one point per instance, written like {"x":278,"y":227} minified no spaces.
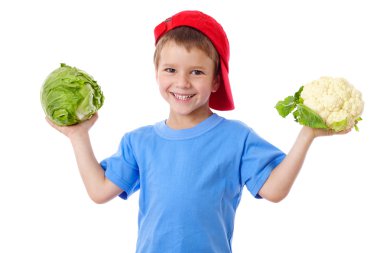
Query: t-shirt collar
{"x":174,"y":134}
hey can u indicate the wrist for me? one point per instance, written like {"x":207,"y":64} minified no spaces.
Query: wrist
{"x":78,"y":136}
{"x":307,"y":134}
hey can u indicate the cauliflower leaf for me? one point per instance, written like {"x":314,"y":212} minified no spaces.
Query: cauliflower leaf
{"x":286,"y":106}
{"x":307,"y":117}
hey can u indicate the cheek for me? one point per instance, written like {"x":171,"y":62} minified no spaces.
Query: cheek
{"x":163,"y":83}
{"x":209,"y":86}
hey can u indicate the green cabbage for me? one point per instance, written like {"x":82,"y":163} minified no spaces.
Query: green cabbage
{"x":70,"y":96}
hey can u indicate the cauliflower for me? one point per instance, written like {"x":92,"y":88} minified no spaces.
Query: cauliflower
{"x":328,"y":103}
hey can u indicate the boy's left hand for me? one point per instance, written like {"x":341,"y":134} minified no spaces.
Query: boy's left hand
{"x":317,"y":132}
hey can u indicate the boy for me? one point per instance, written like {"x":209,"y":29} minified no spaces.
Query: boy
{"x":191,"y":168}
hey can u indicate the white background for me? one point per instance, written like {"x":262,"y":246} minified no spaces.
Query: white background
{"x":276,"y":46}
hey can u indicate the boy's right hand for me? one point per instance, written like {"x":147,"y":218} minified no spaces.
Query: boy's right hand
{"x":71,"y":131}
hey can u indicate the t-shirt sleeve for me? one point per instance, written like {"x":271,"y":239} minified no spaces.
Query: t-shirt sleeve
{"x":259,"y":159}
{"x":122,"y":169}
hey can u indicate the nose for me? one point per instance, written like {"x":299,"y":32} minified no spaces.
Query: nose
{"x":183,"y":81}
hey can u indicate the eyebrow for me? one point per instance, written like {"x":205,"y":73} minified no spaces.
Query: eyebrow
{"x":175,"y":65}
{"x":167,"y":64}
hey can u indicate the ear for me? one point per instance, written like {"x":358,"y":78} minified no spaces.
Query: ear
{"x":215,"y":84}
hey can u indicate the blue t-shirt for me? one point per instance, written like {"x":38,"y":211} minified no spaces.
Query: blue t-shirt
{"x":190,"y":181}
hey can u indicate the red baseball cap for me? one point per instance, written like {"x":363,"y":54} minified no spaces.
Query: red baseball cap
{"x":221,"y":99}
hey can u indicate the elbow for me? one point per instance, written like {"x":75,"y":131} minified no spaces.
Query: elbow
{"x":274,"y":194}
{"x":277,"y":197}
{"x":98,"y":201}
{"x":98,"y":198}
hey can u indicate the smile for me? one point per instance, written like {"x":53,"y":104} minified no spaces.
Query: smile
{"x":182,"y":97}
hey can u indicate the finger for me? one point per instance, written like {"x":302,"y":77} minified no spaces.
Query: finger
{"x":91,"y":121}
{"x":95,"y":117}
{"x":344,"y":131}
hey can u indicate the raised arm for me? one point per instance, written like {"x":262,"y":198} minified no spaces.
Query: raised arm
{"x":98,"y":187}
{"x":279,"y":183}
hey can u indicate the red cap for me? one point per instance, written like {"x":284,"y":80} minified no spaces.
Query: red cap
{"x":221,"y":99}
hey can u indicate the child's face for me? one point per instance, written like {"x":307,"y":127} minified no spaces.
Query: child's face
{"x":186,"y":79}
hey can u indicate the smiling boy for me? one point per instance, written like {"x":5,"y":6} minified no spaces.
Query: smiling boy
{"x":186,"y":76}
{"x":191,"y":168}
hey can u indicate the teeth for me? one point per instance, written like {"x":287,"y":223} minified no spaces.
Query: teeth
{"x":182,"y":97}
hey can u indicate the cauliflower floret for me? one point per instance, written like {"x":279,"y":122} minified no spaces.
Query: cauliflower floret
{"x":335,"y":100}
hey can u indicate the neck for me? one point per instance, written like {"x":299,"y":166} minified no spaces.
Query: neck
{"x":176,"y":121}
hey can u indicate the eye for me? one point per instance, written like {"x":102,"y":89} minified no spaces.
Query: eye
{"x":197,"y":72}
{"x":169,"y":70}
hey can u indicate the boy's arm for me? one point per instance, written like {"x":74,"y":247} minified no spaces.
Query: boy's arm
{"x":279,"y":183}
{"x":98,"y":187}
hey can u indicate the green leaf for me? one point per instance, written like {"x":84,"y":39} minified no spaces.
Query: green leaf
{"x":356,"y":124}
{"x":286,"y":106}
{"x":339,"y":125}
{"x":297,"y":96}
{"x":307,"y":117}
